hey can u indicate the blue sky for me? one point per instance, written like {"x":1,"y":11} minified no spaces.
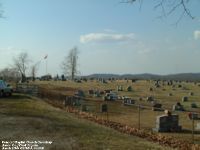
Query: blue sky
{"x":111,"y":37}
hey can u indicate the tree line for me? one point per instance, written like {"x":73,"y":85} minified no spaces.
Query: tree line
{"x":21,"y":65}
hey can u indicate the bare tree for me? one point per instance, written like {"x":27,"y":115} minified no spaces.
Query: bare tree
{"x":21,"y":64}
{"x":69,"y":64}
{"x":33,"y":72}
{"x":169,"y":7}
{"x":10,"y":74}
{"x":34,"y":69}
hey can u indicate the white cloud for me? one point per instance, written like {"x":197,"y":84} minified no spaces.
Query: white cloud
{"x":196,"y":34}
{"x":109,"y":30}
{"x":106,"y":37}
{"x":145,"y":51}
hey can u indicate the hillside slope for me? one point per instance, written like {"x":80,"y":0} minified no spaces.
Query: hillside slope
{"x":29,"y":119}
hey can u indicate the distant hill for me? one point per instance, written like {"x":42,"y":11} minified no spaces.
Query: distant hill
{"x":147,"y":76}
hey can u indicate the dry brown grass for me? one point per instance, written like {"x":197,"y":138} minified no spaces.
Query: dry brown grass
{"x":26,"y":118}
{"x":129,"y":114}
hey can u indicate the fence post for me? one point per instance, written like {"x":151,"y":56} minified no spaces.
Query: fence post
{"x":107,"y":110}
{"x":139,"y":116}
{"x":192,"y":130}
{"x":107,"y":115}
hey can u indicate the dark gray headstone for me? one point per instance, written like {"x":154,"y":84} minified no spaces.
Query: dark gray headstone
{"x":167,"y":123}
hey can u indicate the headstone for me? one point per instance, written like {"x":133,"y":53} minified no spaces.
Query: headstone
{"x":90,"y":92}
{"x":107,"y":91}
{"x":173,"y":86}
{"x":134,"y":80}
{"x":193,"y":116}
{"x":169,"y":82}
{"x":103,"y":81}
{"x":198,"y":126}
{"x":191,"y":93}
{"x":167,"y":112}
{"x":157,"y":107}
{"x":150,"y":99}
{"x":129,"y":89}
{"x":179,"y":86}
{"x":101,"y":92}
{"x":170,"y":94}
{"x":178,"y":107}
{"x":184,"y":99}
{"x":96,"y":94}
{"x":84,"y":108}
{"x":104,"y":108}
{"x":128,"y":101}
{"x":111,"y":96}
{"x":194,"y":105}
{"x":167,"y":123}
{"x":140,"y":98}
{"x":157,"y":85}
{"x":150,"y":89}
{"x":79,"y":93}
{"x":120,"y":88}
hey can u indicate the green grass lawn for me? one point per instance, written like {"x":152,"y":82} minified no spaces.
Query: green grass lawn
{"x":24,"y":118}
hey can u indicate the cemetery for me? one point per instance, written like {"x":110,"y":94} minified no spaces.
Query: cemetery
{"x":100,"y":75}
{"x":124,"y":106}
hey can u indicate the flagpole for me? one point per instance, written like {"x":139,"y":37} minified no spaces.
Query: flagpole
{"x":46,"y":66}
{"x":46,"y":57}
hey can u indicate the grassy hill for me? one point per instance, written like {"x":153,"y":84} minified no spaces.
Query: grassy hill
{"x":129,"y":114}
{"x":25,"y":118}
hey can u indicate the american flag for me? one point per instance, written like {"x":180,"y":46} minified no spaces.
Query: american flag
{"x":45,"y":57}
